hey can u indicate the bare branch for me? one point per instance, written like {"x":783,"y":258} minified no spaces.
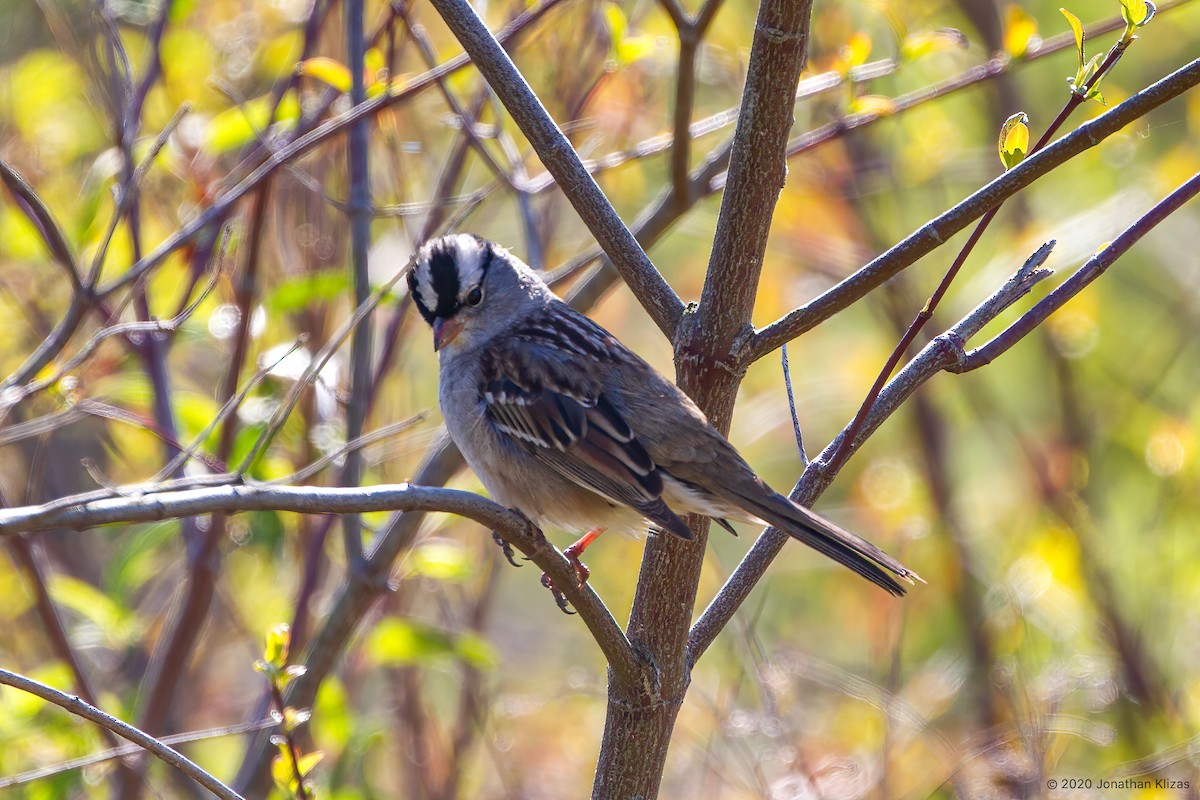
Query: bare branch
{"x":122,"y":729}
{"x":656,"y":296}
{"x":39,"y":214}
{"x":934,"y":358}
{"x":9,"y":781}
{"x":1090,"y":271}
{"x":934,"y":233}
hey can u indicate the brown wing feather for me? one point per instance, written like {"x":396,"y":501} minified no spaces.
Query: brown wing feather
{"x":547,"y":398}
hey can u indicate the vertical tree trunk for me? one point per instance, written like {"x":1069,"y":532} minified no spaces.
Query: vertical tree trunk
{"x":637,"y":733}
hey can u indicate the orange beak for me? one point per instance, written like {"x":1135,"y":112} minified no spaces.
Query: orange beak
{"x":445,"y":331}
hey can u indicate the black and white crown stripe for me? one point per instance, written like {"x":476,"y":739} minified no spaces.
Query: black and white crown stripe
{"x":445,"y":271}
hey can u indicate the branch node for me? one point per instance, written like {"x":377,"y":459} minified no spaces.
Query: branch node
{"x":779,"y":35}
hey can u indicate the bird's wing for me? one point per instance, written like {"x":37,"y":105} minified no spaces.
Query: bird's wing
{"x":540,"y":386}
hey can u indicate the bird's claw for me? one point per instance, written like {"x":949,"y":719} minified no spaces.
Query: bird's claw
{"x":582,"y":573}
{"x":505,"y":548}
{"x":559,"y":597}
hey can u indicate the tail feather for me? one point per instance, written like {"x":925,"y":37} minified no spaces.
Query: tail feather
{"x":840,"y":545}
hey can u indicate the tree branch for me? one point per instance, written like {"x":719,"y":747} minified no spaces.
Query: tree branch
{"x":1090,"y":271}
{"x":934,"y":233}
{"x":122,"y":729}
{"x":934,"y":358}
{"x":639,"y":725}
{"x":561,"y":160}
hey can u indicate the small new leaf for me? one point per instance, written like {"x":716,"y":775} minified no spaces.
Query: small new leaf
{"x":1136,"y":13}
{"x":279,"y":640}
{"x":1077,"y":29}
{"x":1014,"y":140}
{"x":293,"y":718}
{"x":1085,"y":83}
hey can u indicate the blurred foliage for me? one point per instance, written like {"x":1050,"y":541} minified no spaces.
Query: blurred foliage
{"x":1050,"y":500}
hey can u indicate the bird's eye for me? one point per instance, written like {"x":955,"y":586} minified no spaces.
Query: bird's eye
{"x":475,"y":296}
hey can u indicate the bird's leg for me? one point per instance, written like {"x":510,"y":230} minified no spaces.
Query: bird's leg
{"x":506,"y":548}
{"x":572,"y":554}
{"x":576,"y":550}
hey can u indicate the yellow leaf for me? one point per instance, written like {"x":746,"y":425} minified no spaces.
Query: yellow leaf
{"x":857,"y":50}
{"x":1077,"y":29}
{"x":308,"y":761}
{"x":374,"y":65}
{"x":1014,"y":140}
{"x":874,"y":104}
{"x":332,"y":72}
{"x":1019,"y":30}
{"x":1135,"y":12}
{"x":279,"y":640}
{"x":926,"y":42}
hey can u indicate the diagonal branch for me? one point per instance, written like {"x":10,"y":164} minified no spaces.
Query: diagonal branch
{"x":936,"y":357}
{"x":1090,"y":271}
{"x":122,"y":729}
{"x":561,"y":160}
{"x":935,"y":232}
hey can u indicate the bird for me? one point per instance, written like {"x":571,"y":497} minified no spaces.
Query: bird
{"x":565,"y":424}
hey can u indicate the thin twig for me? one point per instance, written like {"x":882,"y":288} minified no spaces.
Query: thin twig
{"x":1074,"y":100}
{"x":9,"y":781}
{"x":122,"y":729}
{"x":1090,"y":271}
{"x":358,"y":144}
{"x":787,"y":382}
{"x":935,"y":232}
{"x":934,"y":358}
{"x":649,"y":286}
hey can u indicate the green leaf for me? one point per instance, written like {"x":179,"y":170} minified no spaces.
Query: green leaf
{"x":1079,"y":84}
{"x":396,"y":642}
{"x":299,"y":293}
{"x":477,"y":651}
{"x":1136,"y":13}
{"x":118,"y":624}
{"x":240,"y":125}
{"x":1014,"y":140}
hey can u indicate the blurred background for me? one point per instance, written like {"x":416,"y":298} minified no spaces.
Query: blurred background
{"x":1050,"y":500}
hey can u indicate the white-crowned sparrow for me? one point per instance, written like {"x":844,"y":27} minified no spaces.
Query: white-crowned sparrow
{"x":561,"y":421}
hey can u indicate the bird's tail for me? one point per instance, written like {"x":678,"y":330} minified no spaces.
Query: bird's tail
{"x":823,"y":536}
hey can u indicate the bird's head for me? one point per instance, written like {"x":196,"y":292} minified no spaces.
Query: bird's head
{"x":468,"y":289}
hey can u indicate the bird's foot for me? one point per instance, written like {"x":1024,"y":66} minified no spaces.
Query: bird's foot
{"x":559,"y":598}
{"x":582,"y":573}
{"x":506,"y":548}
